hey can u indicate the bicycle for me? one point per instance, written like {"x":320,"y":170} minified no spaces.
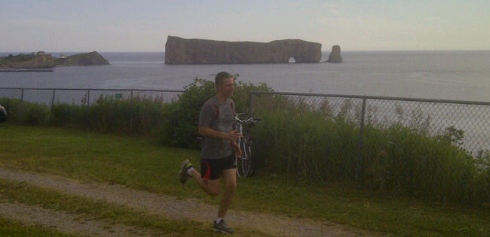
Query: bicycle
{"x":245,"y":163}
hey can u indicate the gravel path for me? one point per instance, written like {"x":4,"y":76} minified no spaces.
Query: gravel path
{"x":169,"y":207}
{"x":68,"y":223}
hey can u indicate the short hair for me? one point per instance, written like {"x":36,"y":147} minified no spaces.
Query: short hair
{"x":220,"y":77}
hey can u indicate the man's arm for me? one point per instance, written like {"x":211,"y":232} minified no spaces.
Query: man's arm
{"x":232,"y":136}
{"x":209,"y":132}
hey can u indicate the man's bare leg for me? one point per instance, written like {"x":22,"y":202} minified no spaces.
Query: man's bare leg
{"x":211,"y":187}
{"x":229,"y":176}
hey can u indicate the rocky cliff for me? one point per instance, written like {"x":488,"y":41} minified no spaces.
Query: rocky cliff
{"x":200,"y":51}
{"x":42,"y":60}
{"x":27,"y":61}
{"x":84,"y":59}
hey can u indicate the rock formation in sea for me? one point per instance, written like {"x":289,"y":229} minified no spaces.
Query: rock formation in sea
{"x":335,"y":56}
{"x":28,"y":61}
{"x":41,"y":60}
{"x":201,"y":51}
{"x":83,"y":59}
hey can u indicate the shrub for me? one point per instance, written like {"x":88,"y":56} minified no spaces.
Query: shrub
{"x":185,"y":116}
{"x":66,"y":115}
{"x":26,"y":113}
{"x":35,"y":115}
{"x":109,"y":115}
{"x":185,"y":113}
{"x":308,"y":146}
{"x":296,"y":140}
{"x":136,"y":116}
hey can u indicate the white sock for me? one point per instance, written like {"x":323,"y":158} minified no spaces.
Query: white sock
{"x":189,"y":171}
{"x":218,"y":220}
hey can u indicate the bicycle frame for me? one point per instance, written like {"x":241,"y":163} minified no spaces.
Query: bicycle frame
{"x":245,"y":165}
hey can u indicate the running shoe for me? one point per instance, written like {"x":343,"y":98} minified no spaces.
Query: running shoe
{"x":222,"y":227}
{"x":183,"y":176}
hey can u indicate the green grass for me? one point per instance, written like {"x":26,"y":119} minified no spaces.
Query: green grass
{"x":16,"y":229}
{"x":142,"y":164}
{"x":158,"y":226}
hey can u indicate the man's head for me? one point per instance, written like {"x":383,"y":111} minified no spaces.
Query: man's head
{"x":220,"y":78}
{"x":225,"y":84}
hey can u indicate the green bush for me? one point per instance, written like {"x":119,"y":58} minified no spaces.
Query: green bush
{"x":185,"y":113}
{"x":311,"y":146}
{"x":148,"y":117}
{"x":109,"y":115}
{"x":26,"y":113}
{"x":12,"y":106}
{"x":35,"y":115}
{"x":66,"y":115}
{"x":185,"y":116}
{"x":296,"y":140}
{"x":137,"y":116}
{"x":402,"y":161}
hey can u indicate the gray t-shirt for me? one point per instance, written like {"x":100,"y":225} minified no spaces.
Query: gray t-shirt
{"x":219,"y":117}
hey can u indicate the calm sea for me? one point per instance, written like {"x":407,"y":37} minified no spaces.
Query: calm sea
{"x":450,"y":75}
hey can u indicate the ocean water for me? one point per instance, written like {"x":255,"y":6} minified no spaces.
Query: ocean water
{"x":446,"y":75}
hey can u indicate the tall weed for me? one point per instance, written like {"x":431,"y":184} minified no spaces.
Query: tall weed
{"x":297,"y":140}
{"x":26,"y":113}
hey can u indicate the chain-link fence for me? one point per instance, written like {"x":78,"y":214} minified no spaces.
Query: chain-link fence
{"x":51,"y":96}
{"x":128,"y":116}
{"x":465,"y":124}
{"x":434,"y":149}
{"x":433,"y":117}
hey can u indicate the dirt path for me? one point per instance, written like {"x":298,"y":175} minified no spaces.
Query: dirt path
{"x":66,"y":222}
{"x":169,"y":207}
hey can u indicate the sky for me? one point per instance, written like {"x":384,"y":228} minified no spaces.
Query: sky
{"x":144,"y":25}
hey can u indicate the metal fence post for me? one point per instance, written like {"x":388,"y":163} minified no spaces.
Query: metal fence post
{"x":22,"y":95}
{"x":250,"y":103}
{"x":52,"y":99}
{"x":131,"y":113}
{"x":22,"y":106}
{"x":359,"y":145}
{"x":88,"y":97}
{"x":87,"y":110}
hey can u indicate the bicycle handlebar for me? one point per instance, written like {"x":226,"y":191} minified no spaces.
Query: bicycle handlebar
{"x":245,"y":121}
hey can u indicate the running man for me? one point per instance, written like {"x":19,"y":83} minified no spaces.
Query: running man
{"x":219,"y":148}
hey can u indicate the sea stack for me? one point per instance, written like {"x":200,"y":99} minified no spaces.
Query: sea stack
{"x":202,"y":51}
{"x":335,"y":56}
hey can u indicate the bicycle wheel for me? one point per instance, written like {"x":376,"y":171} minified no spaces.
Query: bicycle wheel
{"x":244,"y":164}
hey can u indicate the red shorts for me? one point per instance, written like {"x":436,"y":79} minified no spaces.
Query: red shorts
{"x":212,"y":169}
